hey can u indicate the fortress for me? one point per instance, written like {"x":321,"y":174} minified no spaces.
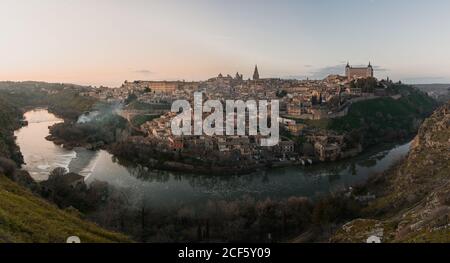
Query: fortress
{"x":160,"y":87}
{"x":356,"y":73}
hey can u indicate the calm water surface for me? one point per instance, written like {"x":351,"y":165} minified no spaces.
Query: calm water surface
{"x":168,"y":189}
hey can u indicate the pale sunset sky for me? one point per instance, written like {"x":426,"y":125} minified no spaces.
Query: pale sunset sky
{"x":108,"y":41}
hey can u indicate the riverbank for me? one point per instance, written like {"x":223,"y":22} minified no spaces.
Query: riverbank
{"x":412,"y":199}
{"x":166,"y":197}
{"x":25,"y":216}
{"x":368,"y":123}
{"x":135,"y":152}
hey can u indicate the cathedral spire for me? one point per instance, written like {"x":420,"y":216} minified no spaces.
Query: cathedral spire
{"x":256,"y":73}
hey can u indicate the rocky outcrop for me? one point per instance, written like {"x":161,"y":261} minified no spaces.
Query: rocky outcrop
{"x":414,"y":202}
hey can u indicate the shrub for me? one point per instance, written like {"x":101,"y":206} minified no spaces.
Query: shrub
{"x":7,"y":167}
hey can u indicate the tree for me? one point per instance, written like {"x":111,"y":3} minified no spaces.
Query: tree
{"x":7,"y":167}
{"x":57,"y":173}
{"x":367,"y":85}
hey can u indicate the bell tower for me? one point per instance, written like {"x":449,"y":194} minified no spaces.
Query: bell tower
{"x":347,"y":70}
{"x":256,"y":73}
{"x":370,"y":70}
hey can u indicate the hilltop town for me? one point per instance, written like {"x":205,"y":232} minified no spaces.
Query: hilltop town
{"x":320,"y":120}
{"x":304,"y":105}
{"x":375,"y":111}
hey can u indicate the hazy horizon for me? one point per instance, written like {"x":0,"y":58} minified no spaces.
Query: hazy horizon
{"x":108,"y":42}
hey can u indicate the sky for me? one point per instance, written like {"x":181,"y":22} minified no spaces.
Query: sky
{"x":106,"y":42}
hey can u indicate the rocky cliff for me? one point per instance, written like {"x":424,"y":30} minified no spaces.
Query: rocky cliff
{"x":413,"y":203}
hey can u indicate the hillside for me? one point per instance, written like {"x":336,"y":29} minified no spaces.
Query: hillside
{"x":413,"y":203}
{"x":10,"y":116}
{"x":63,"y":100}
{"x":25,"y":217}
{"x":440,"y":92}
{"x":384,"y":119}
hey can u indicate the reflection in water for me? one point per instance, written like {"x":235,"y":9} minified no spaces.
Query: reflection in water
{"x":166,"y":188}
{"x":160,"y":188}
{"x":40,"y":155}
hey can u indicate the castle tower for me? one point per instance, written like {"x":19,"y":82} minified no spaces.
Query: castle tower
{"x":370,"y":70}
{"x":347,"y":69}
{"x":256,"y":73}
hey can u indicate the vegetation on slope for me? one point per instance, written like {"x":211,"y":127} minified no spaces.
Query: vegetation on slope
{"x":384,"y":119}
{"x":138,"y":120}
{"x":414,"y":197}
{"x":62,"y":99}
{"x":25,"y":217}
{"x":96,"y":132}
{"x":10,"y":117}
{"x":138,"y":105}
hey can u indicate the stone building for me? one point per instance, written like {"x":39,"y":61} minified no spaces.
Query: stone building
{"x":167,"y":87}
{"x":356,"y":73}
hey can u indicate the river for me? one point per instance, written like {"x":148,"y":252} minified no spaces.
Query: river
{"x":159,"y":188}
